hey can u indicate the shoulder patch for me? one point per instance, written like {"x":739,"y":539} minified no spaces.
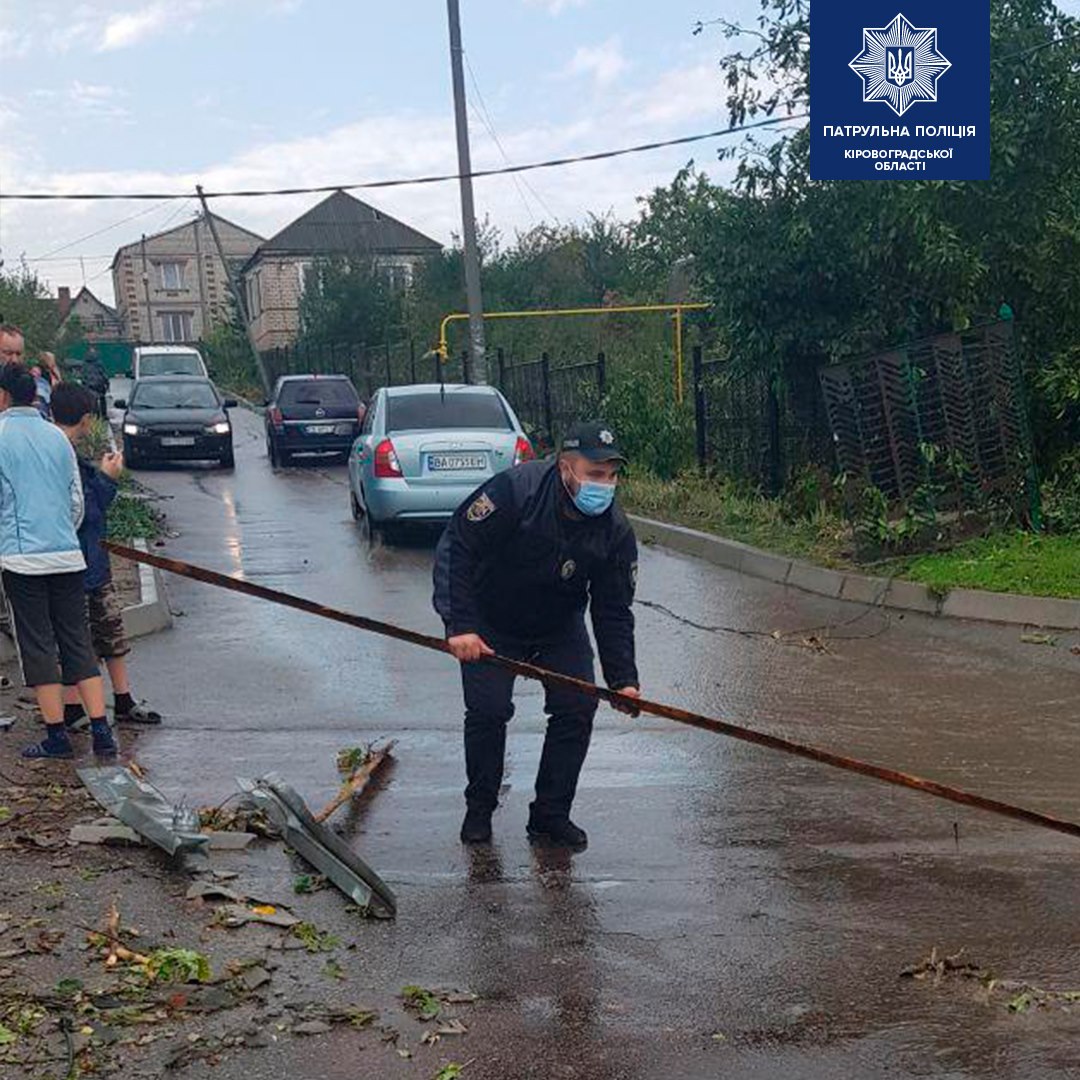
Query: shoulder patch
{"x":480,"y":508}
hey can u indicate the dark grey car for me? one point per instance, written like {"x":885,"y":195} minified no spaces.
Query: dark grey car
{"x":176,"y":418}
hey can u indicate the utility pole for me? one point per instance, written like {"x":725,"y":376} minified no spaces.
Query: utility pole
{"x":468,"y":211}
{"x":204,"y":310}
{"x":237,"y":292}
{"x":146,"y":295}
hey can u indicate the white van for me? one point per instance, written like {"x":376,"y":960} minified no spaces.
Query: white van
{"x":149,"y":361}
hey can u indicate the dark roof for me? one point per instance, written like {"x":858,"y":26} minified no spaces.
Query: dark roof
{"x":343,"y":225}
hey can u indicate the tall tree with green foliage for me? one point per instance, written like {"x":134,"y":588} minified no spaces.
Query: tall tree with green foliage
{"x":25,"y":302}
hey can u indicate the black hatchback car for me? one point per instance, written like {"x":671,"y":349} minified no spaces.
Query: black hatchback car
{"x":176,"y":418}
{"x":312,"y":414}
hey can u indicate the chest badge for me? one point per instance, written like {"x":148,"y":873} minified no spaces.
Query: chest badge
{"x":568,"y":569}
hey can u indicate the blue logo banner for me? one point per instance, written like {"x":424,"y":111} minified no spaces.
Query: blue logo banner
{"x":900,"y":90}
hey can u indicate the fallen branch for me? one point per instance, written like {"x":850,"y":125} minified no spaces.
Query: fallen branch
{"x":358,"y":779}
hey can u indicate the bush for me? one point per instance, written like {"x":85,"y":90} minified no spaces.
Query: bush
{"x":1061,"y":496}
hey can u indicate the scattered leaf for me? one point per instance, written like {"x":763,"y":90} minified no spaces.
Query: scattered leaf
{"x":7,"y":1036}
{"x":449,"y":1072}
{"x":422,"y":1001}
{"x":1038,"y":639}
{"x":314,"y":939}
{"x":177,"y":966}
{"x":333,"y":970}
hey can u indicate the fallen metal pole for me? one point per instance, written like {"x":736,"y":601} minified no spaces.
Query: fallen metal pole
{"x":655,"y":708}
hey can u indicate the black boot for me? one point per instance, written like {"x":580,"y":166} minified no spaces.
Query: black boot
{"x":557,"y":832}
{"x":476,"y":828}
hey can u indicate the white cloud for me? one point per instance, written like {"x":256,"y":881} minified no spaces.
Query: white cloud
{"x":14,"y":44}
{"x":604,"y":62}
{"x":555,"y":7}
{"x":132,"y":27}
{"x":90,"y":99}
{"x":401,"y":144}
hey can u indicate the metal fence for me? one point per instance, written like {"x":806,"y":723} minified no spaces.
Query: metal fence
{"x":945,"y":414}
{"x":547,"y":396}
{"x":758,"y":427}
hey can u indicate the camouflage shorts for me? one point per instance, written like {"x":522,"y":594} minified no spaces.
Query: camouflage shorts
{"x":106,"y":617}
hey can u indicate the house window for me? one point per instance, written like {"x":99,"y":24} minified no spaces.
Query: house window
{"x":254,"y":295}
{"x":399,"y":276}
{"x":172,"y":275}
{"x":176,"y":326}
{"x":305,"y":278}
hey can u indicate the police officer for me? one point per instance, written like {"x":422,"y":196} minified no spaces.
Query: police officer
{"x":514,"y":572}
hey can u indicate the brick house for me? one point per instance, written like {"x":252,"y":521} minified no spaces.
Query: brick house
{"x":172,"y":287}
{"x":98,"y":321}
{"x":275,"y":276}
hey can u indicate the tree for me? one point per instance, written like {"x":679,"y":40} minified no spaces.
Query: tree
{"x":350,"y":300}
{"x":25,"y":302}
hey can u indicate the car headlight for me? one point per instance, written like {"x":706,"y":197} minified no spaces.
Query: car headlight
{"x":131,"y":429}
{"x":221,"y":428}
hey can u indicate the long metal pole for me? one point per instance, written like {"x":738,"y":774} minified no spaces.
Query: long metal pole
{"x":637,"y":705}
{"x":474,"y":300}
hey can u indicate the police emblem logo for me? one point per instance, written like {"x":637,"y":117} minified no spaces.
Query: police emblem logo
{"x":606,"y":437}
{"x":568,"y":569}
{"x":481,"y":507}
{"x":900,"y":64}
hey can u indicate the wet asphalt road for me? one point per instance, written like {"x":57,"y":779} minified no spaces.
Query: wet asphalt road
{"x":737,"y":913}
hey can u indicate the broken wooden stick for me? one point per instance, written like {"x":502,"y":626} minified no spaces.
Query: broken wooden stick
{"x":358,"y":779}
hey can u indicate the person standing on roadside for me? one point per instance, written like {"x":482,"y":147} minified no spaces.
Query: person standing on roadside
{"x":41,"y":506}
{"x":12,"y":344}
{"x":74,"y":408}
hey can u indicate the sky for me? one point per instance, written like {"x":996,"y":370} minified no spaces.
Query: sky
{"x":127,"y":95}
{"x":108,"y":95}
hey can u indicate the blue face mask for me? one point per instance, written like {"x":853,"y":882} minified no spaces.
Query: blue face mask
{"x":592,"y":499}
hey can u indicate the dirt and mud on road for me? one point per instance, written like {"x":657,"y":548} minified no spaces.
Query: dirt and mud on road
{"x":736,"y":914}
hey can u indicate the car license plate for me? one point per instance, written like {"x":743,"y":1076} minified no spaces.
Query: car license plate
{"x":448,"y":462}
{"x":178,"y":440}
{"x":320,"y":429}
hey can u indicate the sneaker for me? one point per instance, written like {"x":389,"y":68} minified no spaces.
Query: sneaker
{"x":476,"y":828}
{"x":558,"y":832}
{"x":49,"y":748}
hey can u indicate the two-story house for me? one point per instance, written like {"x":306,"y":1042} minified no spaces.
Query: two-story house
{"x":276,"y":275}
{"x":172,"y":286}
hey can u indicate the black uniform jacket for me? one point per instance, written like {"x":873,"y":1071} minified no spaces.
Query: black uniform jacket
{"x":519,"y":559}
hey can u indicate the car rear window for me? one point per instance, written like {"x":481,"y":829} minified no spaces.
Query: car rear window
{"x":174,"y":395}
{"x":441,"y":412}
{"x":169,"y":364}
{"x":318,"y":392}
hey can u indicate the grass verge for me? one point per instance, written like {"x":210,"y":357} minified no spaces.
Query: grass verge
{"x":131,"y":517}
{"x":1007,"y":562}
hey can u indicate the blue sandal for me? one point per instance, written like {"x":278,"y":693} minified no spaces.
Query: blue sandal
{"x":44,"y":751}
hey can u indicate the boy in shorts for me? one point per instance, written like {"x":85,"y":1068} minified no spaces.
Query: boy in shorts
{"x":74,"y":408}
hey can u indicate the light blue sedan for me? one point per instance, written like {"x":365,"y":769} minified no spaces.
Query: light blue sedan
{"x":423,"y":449}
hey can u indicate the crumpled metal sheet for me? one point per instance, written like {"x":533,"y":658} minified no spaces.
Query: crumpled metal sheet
{"x":320,"y":846}
{"x":174,"y":829}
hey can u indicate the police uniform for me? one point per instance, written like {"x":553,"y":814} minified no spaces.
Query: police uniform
{"x":518,"y":564}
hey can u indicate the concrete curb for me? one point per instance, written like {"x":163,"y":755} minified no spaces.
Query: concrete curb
{"x":152,"y":613}
{"x":1009,"y":608}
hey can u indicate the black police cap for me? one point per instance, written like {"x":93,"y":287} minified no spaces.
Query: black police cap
{"x":594,"y":440}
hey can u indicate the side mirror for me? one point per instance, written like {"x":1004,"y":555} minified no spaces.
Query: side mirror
{"x":231,"y":403}
{"x":119,"y":403}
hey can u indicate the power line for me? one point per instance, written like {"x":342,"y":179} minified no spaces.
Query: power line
{"x":489,"y":123}
{"x":98,"y":232}
{"x":1038,"y":48}
{"x":441,"y":178}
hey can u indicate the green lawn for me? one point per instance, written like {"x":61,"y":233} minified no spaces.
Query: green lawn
{"x":1014,"y":562}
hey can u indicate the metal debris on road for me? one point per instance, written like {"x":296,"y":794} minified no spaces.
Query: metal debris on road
{"x":321,"y":847}
{"x":136,"y":803}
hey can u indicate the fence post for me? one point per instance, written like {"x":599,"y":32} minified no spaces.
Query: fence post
{"x":776,"y":464}
{"x":545,"y":372}
{"x":700,"y":433}
{"x":465,"y":366}
{"x":601,"y":373}
{"x":389,"y":373}
{"x":438,"y":368}
{"x":412,"y":360}
{"x":502,"y":367}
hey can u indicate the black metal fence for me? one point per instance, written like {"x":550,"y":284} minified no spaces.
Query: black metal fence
{"x":546,"y":395}
{"x":758,"y":427}
{"x":945,"y":414}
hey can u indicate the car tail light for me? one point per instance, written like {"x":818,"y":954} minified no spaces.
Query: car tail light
{"x":523,"y":451}
{"x":276,"y":418}
{"x":387,"y":466}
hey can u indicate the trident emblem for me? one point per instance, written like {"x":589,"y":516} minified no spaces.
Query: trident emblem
{"x":900,"y":66}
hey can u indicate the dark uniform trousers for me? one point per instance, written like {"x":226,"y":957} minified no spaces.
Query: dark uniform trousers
{"x":489,"y":707}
